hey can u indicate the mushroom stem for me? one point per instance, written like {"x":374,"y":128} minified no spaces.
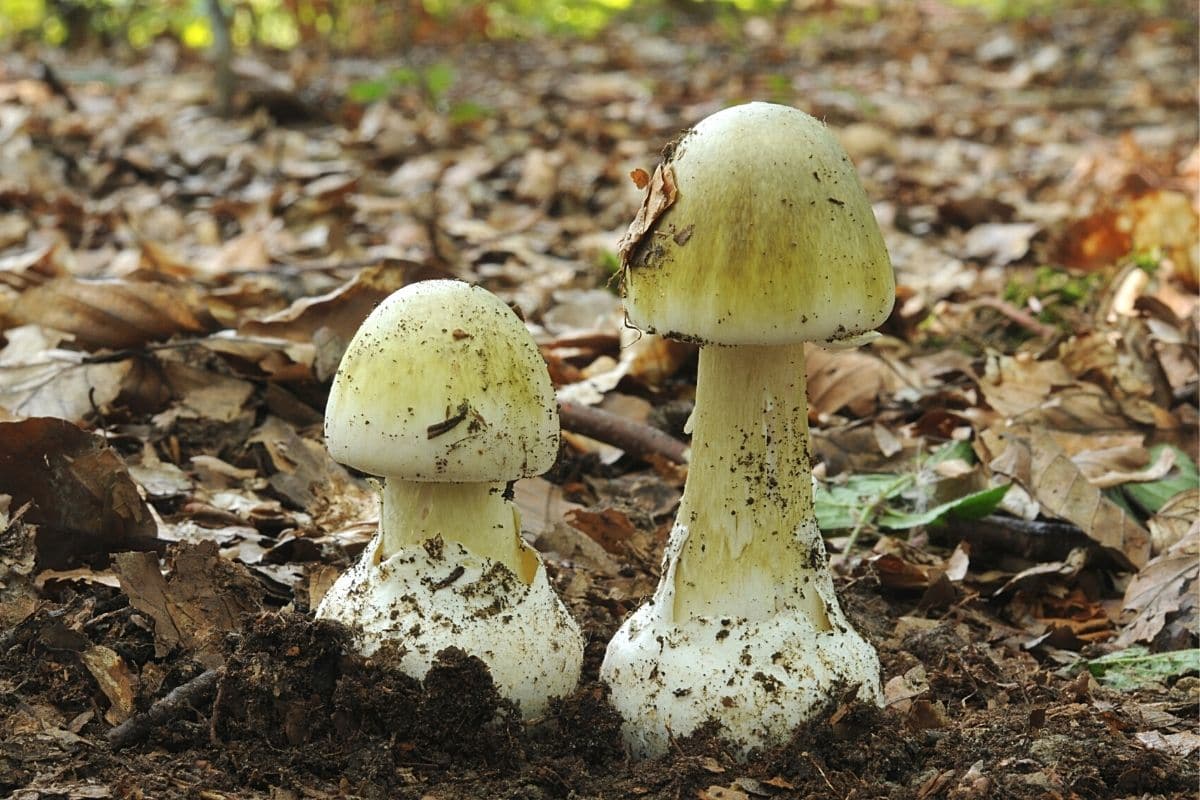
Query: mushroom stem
{"x":475,"y":515}
{"x":746,"y":541}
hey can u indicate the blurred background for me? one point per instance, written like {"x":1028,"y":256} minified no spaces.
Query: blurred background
{"x":201,"y":200}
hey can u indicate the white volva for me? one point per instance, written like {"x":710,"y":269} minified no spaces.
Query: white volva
{"x":770,"y":242}
{"x":744,"y":627}
{"x":443,"y":393}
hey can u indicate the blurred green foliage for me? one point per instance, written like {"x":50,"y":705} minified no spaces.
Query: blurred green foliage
{"x":360,"y":26}
{"x":433,"y":82}
{"x":138,"y":24}
{"x":1055,"y":289}
{"x":1022,"y":9}
{"x":345,"y":24}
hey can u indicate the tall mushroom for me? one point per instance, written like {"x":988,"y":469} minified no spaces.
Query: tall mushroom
{"x":756,"y":236}
{"x":443,"y":394}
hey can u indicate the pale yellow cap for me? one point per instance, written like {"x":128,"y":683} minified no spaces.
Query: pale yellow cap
{"x":757,"y":231}
{"x":443,"y":383}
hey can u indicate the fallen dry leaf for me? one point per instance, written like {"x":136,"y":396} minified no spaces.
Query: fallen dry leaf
{"x":1095,"y":241}
{"x":1174,"y":519}
{"x":302,"y":469}
{"x":660,"y":196}
{"x":721,"y":793}
{"x":1181,"y":744}
{"x":841,"y":379}
{"x":18,"y":556}
{"x":38,"y":379}
{"x":900,"y":690}
{"x":339,"y":312}
{"x":1165,"y":587}
{"x":114,"y":313}
{"x":1030,"y":392}
{"x":1108,"y":460}
{"x":1042,"y":469}
{"x":610,"y":527}
{"x":114,"y":678}
{"x":204,"y":597}
{"x":202,"y":394}
{"x":83,"y":501}
{"x":1115,"y":364}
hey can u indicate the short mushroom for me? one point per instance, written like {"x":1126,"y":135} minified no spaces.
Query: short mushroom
{"x":443,"y":393}
{"x":756,"y":237}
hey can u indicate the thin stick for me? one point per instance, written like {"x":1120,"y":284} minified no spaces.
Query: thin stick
{"x":635,"y":438}
{"x":49,"y":77}
{"x":1019,"y":316}
{"x":868,"y":513}
{"x":179,"y":699}
{"x":1035,"y":540}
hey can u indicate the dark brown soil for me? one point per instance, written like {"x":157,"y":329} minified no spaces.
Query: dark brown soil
{"x":295,"y":716}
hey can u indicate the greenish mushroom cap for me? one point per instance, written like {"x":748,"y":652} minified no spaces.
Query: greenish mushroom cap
{"x":757,"y":230}
{"x":443,"y":383}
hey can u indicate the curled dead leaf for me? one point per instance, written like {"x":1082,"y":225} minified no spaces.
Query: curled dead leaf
{"x":851,"y":380}
{"x":1174,"y":519}
{"x":114,"y":678}
{"x":204,"y":597}
{"x":659,"y":198}
{"x":1164,"y":588}
{"x":114,"y":313}
{"x":39,"y":379}
{"x":1041,"y":467}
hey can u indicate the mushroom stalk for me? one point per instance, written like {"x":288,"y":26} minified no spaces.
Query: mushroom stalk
{"x":443,"y":394}
{"x":476,"y":515}
{"x":746,"y":538}
{"x":755,"y":237}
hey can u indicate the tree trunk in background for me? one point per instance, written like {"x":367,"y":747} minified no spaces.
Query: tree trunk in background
{"x":222,"y":52}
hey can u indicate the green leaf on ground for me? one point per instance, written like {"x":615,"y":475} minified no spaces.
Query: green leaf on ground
{"x":466,"y":112}
{"x":369,"y":91}
{"x":438,"y":79}
{"x":971,"y":506}
{"x":842,"y":506}
{"x":897,"y":501}
{"x":1152,"y":495}
{"x":1137,"y":667}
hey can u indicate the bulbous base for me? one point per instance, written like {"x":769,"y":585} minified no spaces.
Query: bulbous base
{"x":758,"y":679}
{"x":437,"y":594}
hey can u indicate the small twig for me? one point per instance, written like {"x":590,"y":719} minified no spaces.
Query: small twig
{"x":1035,"y":540}
{"x":869,"y":511}
{"x":635,"y":438}
{"x":1022,"y":318}
{"x":824,"y":777}
{"x":450,"y":423}
{"x":179,"y":699}
{"x":222,"y":56}
{"x":49,"y":77}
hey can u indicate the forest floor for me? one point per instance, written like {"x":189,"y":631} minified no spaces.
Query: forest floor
{"x":176,"y":289}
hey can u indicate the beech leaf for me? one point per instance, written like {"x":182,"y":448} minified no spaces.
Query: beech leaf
{"x":1044,"y":470}
{"x":114,"y":313}
{"x":1165,"y":587}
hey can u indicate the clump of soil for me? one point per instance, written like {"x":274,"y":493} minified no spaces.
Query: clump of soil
{"x":296,"y":711}
{"x":293,"y":696}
